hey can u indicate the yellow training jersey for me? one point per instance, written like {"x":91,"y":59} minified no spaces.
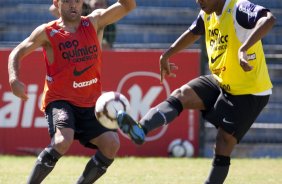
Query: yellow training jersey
{"x":222,"y":48}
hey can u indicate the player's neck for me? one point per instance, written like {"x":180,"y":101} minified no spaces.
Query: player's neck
{"x":69,"y":25}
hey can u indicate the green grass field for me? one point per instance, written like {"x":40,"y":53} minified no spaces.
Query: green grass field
{"x":14,"y":170}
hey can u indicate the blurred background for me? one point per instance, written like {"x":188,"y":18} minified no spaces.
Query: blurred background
{"x":156,"y":24}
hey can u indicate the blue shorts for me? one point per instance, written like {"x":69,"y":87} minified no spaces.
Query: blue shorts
{"x":233,"y":113}
{"x":61,"y":114}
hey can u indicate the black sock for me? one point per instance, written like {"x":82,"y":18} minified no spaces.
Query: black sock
{"x":95,"y":168}
{"x":162,"y":114}
{"x":219,"y":170}
{"x":45,"y":163}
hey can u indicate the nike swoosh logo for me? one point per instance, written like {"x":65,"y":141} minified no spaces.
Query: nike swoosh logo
{"x":78,"y":73}
{"x":47,"y":165}
{"x":225,"y":121}
{"x":214,"y":59}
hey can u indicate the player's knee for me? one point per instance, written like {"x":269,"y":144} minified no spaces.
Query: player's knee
{"x":110,"y":147}
{"x":225,"y":137}
{"x":188,"y":98}
{"x":62,"y":144}
{"x":224,"y":144}
{"x":176,"y":92}
{"x":180,"y":94}
{"x":113,"y":147}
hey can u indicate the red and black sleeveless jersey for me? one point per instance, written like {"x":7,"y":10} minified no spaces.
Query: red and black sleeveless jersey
{"x":75,"y":73}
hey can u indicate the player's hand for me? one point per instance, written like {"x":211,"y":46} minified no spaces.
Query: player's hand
{"x":243,"y":60}
{"x":166,"y":67}
{"x":18,"y":89}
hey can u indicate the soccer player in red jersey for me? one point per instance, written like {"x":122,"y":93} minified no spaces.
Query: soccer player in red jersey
{"x":72,"y":51}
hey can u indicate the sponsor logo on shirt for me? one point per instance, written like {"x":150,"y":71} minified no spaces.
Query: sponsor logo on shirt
{"x":84,"y":83}
{"x":218,"y":56}
{"x":80,"y":72}
{"x":248,"y":10}
{"x":85,"y":23}
{"x":252,"y":56}
{"x":217,"y":41}
{"x":72,"y":51}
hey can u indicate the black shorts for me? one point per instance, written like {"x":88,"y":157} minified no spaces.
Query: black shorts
{"x":233,"y":113}
{"x":61,"y":114}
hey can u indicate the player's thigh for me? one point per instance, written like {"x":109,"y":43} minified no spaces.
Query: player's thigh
{"x":188,"y":98}
{"x":60,"y":117}
{"x":242,"y":114}
{"x":199,"y":93}
{"x":235,"y":114}
{"x":89,"y":131}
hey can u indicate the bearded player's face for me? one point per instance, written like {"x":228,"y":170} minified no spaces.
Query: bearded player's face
{"x":70,"y":9}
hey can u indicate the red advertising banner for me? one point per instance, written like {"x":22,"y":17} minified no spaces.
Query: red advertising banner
{"x":134,"y":73}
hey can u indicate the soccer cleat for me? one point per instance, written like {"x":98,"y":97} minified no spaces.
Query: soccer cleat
{"x":130,"y":127}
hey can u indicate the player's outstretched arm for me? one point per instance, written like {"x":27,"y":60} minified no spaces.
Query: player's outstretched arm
{"x":103,"y":17}
{"x":34,"y":41}
{"x":184,"y":41}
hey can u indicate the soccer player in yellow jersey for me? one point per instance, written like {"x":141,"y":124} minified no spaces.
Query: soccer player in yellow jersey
{"x":238,"y":88}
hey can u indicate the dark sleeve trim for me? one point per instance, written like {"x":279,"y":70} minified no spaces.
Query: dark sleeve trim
{"x":198,"y":26}
{"x":247,"y":17}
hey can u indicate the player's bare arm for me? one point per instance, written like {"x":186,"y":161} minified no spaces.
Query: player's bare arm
{"x":103,"y":17}
{"x":263,"y":26}
{"x":37,"y":39}
{"x":184,"y":41}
